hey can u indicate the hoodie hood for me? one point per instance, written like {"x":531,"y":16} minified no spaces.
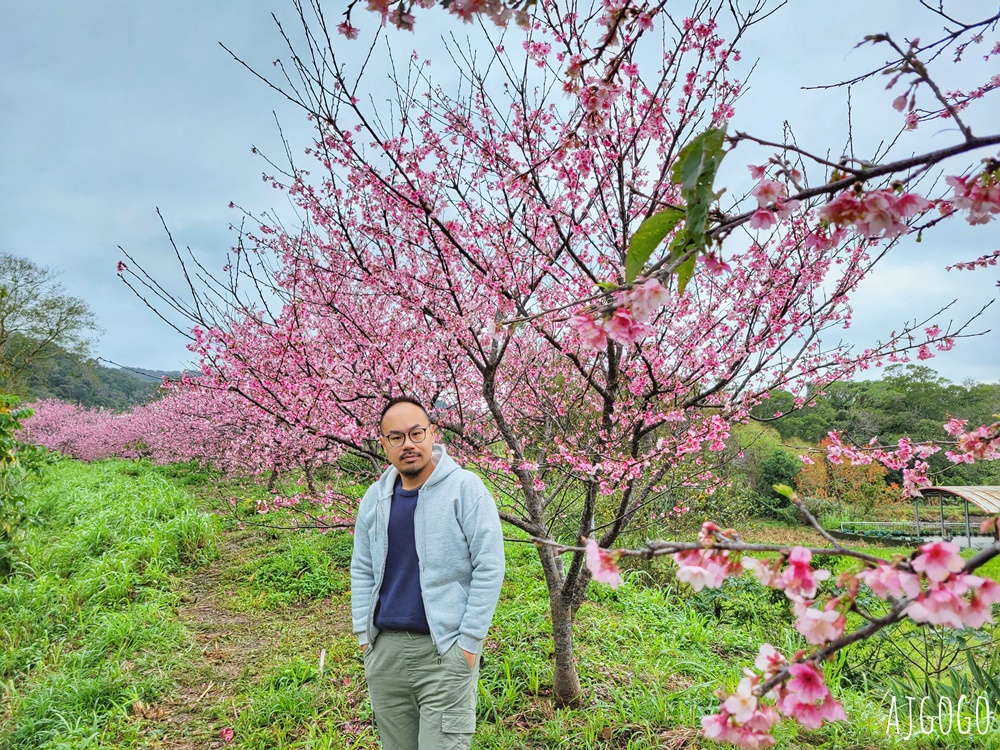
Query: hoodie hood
{"x":443,"y":466}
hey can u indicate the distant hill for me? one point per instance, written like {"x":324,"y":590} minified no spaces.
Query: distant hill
{"x":90,"y":383}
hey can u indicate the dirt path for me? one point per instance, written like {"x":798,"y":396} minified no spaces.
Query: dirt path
{"x":229,"y":649}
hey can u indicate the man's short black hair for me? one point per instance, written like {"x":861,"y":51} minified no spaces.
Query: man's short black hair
{"x":401,"y":400}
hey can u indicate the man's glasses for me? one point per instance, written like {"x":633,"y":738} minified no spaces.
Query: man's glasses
{"x":417,"y":435}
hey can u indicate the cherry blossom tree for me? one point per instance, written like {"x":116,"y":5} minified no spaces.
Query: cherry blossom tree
{"x":191,"y":423}
{"x":492,"y":245}
{"x":85,"y":434}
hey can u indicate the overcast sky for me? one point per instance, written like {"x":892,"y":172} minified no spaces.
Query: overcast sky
{"x":111,"y":109}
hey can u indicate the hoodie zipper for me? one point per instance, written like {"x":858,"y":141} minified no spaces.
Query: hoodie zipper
{"x":383,"y":532}
{"x":384,"y":529}
{"x":419,"y":511}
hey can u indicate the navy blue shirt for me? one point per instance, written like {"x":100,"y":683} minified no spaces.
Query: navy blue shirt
{"x":400,"y":606}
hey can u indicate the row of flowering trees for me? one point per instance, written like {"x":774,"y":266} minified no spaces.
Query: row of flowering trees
{"x":188,"y":424}
{"x":533,"y":243}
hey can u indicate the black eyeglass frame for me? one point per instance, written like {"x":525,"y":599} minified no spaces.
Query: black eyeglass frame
{"x":401,"y":436}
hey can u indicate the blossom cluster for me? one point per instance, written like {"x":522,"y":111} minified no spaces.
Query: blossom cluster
{"x":745,"y":720}
{"x":628,"y":322}
{"x":394,"y":13}
{"x":878,"y":214}
{"x":930,"y":587}
{"x":980,"y":195}
{"x":979,"y":444}
{"x":191,"y":422}
{"x":772,"y":201}
{"x":983,"y":261}
{"x":933,"y":583}
{"x":706,"y":567}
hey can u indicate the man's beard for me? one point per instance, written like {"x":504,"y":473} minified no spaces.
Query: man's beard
{"x":413,"y":470}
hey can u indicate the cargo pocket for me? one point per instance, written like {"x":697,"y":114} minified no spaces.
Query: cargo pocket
{"x":458,"y":721}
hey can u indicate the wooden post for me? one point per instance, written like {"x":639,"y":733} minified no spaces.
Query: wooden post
{"x":968,"y":529}
{"x":916,"y":513}
{"x":941,"y":508}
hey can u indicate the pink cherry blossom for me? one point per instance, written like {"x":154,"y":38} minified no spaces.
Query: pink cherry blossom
{"x":762,"y":219}
{"x":623,"y":328}
{"x":345,"y":29}
{"x":799,"y":580}
{"x":767,"y":192}
{"x":700,"y":573}
{"x":714,"y":265}
{"x":819,"y":626}
{"x":646,"y":298}
{"x":979,"y":196}
{"x":754,"y":733}
{"x":716,"y":727}
{"x":812,"y":715}
{"x":602,"y":564}
{"x":984,"y":593}
{"x":742,"y":703}
{"x":705,"y":567}
{"x":887,"y":580}
{"x":769,"y":660}
{"x":876,"y":214}
{"x":806,"y":683}
{"x":940,"y":605}
{"x":591,"y":333}
{"x":764,"y":571}
{"x":938,"y":560}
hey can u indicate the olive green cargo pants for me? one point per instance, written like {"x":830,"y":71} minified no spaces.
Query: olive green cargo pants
{"x":422,"y":700}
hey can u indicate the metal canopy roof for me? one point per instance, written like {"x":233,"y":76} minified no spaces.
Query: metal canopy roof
{"x":986,"y":498}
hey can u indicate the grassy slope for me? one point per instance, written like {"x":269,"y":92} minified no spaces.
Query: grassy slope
{"x":86,"y":622}
{"x":150,"y":655}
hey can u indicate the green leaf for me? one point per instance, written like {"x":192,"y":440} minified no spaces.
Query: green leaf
{"x":784,"y":490}
{"x":690,"y":164}
{"x":647,"y":238}
{"x":699,"y":158}
{"x":694,"y":171}
{"x":982,"y":679}
{"x":685,"y":272}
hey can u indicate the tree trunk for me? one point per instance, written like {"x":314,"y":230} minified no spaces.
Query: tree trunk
{"x":565,"y":680}
{"x":562,"y":613}
{"x":272,"y":480}
{"x":310,"y":478}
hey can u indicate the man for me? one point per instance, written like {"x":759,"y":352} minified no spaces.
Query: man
{"x":425,"y":578}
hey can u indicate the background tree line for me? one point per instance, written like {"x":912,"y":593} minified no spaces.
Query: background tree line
{"x":46,"y":337}
{"x":910,"y":400}
{"x":87,"y":382}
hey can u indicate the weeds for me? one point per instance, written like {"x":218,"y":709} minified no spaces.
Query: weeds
{"x":111,"y":641}
{"x":88,"y":615}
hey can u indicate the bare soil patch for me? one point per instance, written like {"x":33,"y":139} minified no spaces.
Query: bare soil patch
{"x":228,"y":649}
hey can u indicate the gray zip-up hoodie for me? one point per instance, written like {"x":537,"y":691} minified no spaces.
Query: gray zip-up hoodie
{"x":459,"y":547}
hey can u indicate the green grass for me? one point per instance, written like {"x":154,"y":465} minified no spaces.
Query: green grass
{"x":118,"y":634}
{"x":88,"y":616}
{"x":300,"y":567}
